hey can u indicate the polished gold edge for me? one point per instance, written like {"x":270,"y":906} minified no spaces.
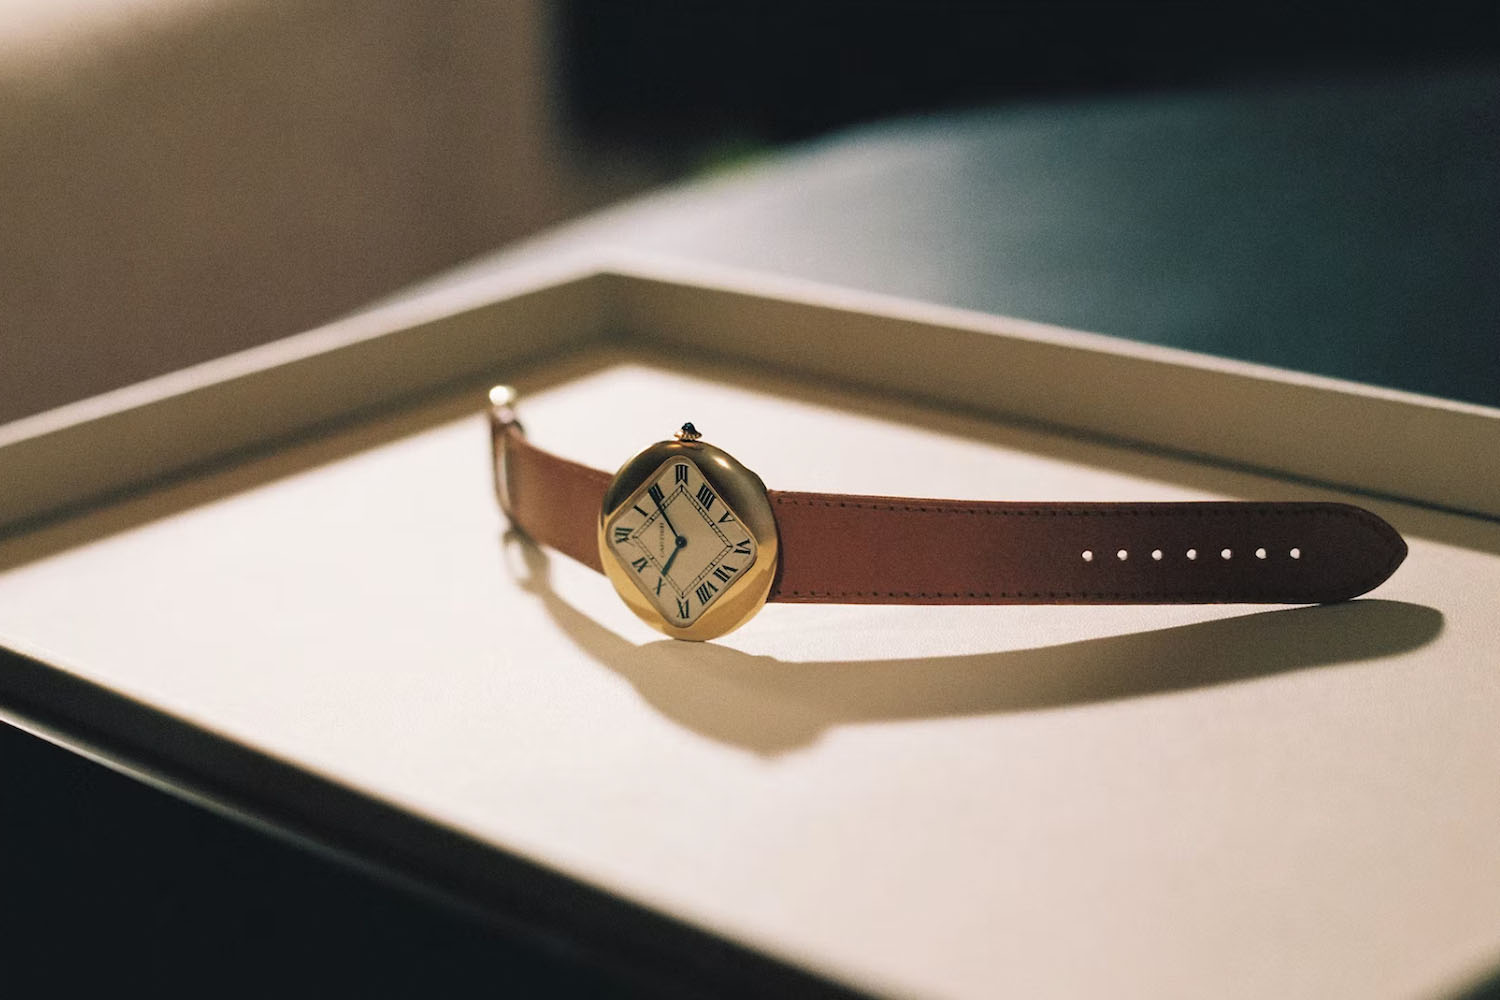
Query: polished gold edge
{"x":743,"y":491}
{"x":503,"y":399}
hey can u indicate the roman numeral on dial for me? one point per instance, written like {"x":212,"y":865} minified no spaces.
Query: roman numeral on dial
{"x":706,"y":590}
{"x":679,"y":474}
{"x":743,"y":548}
{"x":725,"y":572}
{"x":705,"y":496}
{"x":639,"y":564}
{"x":682,"y":606}
{"x":622,"y":535}
{"x":655,"y":493}
{"x":726,"y":516}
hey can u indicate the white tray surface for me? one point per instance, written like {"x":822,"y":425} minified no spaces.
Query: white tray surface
{"x":955,"y":802}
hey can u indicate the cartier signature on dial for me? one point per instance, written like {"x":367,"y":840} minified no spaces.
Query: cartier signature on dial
{"x":695,"y":544}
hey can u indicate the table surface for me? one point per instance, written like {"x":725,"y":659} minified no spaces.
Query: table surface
{"x":1347,"y":229}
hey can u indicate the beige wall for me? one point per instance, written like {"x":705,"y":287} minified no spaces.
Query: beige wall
{"x":183,"y":178}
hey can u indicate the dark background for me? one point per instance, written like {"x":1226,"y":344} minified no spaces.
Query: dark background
{"x":691,"y":74}
{"x":107,"y":883}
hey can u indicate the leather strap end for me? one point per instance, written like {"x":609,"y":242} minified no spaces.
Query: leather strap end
{"x":554,"y":501}
{"x":843,"y":549}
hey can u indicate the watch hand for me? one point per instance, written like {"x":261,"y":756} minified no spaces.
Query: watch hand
{"x":667,"y":519}
{"x":681,"y":542}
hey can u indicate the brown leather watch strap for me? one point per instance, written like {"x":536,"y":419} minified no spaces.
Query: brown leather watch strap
{"x":553,"y":500}
{"x":890,"y":550}
{"x":843,"y":549}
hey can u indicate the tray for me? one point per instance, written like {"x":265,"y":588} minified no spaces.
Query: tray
{"x":278,"y":583}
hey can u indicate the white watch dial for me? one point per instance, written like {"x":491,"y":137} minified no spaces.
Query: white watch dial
{"x":680,"y":542}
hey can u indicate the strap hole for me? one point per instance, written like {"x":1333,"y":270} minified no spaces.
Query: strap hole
{"x":1088,"y":555}
{"x":1260,"y":553}
{"x":1226,"y":554}
{"x":1156,"y":555}
{"x":1192,"y":553}
{"x":1122,"y":555}
{"x":1295,"y":553}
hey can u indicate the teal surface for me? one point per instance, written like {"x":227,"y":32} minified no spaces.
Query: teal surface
{"x":1350,"y":229}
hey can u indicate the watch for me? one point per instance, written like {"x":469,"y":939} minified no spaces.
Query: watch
{"x":695,"y":544}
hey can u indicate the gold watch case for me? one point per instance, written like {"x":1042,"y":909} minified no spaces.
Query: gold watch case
{"x":744,"y":493}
